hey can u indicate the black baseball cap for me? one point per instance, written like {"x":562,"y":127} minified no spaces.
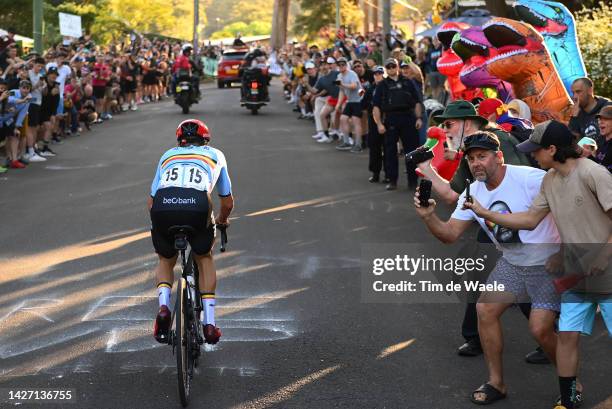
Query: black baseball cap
{"x":482,"y":140}
{"x":545,"y":134}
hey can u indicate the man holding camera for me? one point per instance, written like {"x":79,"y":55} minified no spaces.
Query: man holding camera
{"x":459,"y":121}
{"x":521,"y":269}
{"x":398,"y":108}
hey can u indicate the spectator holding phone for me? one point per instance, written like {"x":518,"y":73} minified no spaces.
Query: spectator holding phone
{"x":572,"y":186}
{"x":521,"y":270}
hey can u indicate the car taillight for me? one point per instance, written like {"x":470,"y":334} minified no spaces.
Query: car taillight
{"x":253,"y":85}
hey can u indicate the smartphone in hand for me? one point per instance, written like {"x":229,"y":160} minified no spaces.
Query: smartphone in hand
{"x":424,"y":192}
{"x":468,"y":197}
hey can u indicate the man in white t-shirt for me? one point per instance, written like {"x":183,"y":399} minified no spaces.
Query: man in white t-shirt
{"x":521,"y":269}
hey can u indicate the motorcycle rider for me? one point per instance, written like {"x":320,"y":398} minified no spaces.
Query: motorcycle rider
{"x":185,"y":66}
{"x":255,"y":65}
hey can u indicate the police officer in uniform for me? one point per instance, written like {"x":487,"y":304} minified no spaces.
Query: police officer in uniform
{"x":398,"y":108}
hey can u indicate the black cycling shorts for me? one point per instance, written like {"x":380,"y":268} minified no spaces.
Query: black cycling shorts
{"x":180,"y":207}
{"x":352,"y":109}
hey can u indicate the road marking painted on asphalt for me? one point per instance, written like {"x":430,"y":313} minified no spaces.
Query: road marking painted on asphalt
{"x":18,"y":347}
{"x":34,"y":308}
{"x":128,"y":369}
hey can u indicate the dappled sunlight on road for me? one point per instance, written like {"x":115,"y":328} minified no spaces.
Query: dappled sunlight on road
{"x":245,"y":303}
{"x":395,"y":348}
{"x":30,"y":265}
{"x":56,"y":283}
{"x":606,"y":404}
{"x":286,"y":392}
{"x":317,"y":202}
{"x":71,"y":301}
{"x":240,"y":269}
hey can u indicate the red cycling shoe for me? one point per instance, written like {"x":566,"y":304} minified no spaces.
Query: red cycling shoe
{"x":162,"y":324}
{"x":211,"y":334}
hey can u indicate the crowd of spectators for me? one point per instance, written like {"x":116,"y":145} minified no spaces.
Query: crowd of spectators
{"x":310,"y":75}
{"x":62,"y":92}
{"x":551,"y":173}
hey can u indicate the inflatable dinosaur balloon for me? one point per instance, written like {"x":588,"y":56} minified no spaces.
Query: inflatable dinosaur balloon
{"x":556,"y":24}
{"x":474,"y":49}
{"x":450,"y":65}
{"x":523,"y":60}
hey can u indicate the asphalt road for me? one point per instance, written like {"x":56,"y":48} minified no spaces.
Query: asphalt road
{"x":77,"y":295}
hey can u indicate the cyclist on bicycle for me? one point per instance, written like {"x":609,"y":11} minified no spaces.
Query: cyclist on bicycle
{"x":180,"y":195}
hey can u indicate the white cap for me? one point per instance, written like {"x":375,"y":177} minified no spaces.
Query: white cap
{"x":330,"y":60}
{"x":309,"y":64}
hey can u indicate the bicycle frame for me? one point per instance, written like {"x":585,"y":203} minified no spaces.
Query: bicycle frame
{"x":188,"y":334}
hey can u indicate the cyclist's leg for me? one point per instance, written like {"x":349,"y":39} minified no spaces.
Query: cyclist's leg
{"x":208,"y":285}
{"x":201,"y":245}
{"x":164,"y":247}
{"x":165,"y":277}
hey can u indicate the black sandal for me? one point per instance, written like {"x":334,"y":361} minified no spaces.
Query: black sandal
{"x":491,"y":393}
{"x":577,"y":404}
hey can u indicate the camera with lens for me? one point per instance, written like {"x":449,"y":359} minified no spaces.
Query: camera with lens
{"x":419,"y":155}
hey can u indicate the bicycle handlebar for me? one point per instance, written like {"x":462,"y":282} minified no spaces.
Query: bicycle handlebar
{"x":223,"y":229}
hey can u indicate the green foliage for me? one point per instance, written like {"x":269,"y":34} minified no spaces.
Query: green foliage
{"x":595,"y":38}
{"x":16,"y":15}
{"x":317,"y":14}
{"x":256,"y":14}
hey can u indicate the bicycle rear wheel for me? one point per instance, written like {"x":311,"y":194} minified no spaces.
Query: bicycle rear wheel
{"x":182,"y":339}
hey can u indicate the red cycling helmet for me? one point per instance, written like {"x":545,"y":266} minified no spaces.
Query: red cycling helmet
{"x":192,"y":129}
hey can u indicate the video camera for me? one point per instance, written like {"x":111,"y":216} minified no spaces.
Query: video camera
{"x":419,"y":155}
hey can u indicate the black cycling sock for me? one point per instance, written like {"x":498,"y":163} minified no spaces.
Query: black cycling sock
{"x":568,"y":391}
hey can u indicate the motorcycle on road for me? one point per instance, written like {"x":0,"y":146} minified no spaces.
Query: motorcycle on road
{"x":254,"y":90}
{"x":185,"y":93}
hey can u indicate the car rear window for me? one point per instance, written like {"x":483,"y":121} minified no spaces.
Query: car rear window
{"x":233,"y":56}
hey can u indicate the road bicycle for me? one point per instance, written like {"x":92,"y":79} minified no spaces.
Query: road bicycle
{"x":187,"y":335}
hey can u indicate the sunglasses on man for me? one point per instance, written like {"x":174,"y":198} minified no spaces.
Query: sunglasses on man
{"x":390,"y":66}
{"x":341,"y":64}
{"x":447,"y":124}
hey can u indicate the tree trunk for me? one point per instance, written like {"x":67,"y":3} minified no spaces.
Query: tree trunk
{"x":375,"y":13}
{"x":279,"y":23}
{"x":366,"y":17}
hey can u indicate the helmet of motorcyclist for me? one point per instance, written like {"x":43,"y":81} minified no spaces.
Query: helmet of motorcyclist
{"x":186,"y":48}
{"x":192,"y":131}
